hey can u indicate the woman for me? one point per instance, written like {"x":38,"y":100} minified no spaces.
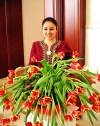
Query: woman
{"x":45,"y":49}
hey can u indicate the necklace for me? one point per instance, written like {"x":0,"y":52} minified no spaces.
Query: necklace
{"x":48,"y":52}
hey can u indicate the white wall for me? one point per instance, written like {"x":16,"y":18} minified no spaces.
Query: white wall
{"x":92,"y":49}
{"x":33,"y":14}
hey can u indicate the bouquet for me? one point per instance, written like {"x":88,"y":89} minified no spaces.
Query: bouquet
{"x":49,"y":91}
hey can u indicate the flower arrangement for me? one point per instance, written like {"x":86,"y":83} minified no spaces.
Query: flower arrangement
{"x":49,"y":91}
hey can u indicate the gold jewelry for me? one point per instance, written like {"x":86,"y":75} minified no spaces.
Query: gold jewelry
{"x":48,"y":52}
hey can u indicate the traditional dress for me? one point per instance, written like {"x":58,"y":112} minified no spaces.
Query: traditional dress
{"x":40,"y":51}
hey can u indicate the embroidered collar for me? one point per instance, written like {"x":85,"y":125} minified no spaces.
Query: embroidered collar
{"x":52,"y":49}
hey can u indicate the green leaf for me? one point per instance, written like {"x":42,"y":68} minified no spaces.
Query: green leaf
{"x":92,"y":113}
{"x":44,"y":69}
{"x":18,"y":102}
{"x":81,"y":76}
{"x":59,"y":94}
{"x":47,"y":120}
{"x":20,"y":110}
{"x":35,"y":115}
{"x":59,"y":72}
{"x":64,"y":92}
{"x":41,"y":114}
{"x":59,"y":86}
{"x":42,"y":80}
{"x":68,"y":87}
{"x":3,"y":108}
{"x":60,"y":115}
{"x":50,"y":85}
{"x":63,"y":78}
{"x":28,"y":111}
{"x":85,"y":99}
{"x":89,"y":116}
{"x":50,"y":68}
{"x":89,"y":73}
{"x":52,"y":113}
{"x":71,"y":84}
{"x":55,"y":122}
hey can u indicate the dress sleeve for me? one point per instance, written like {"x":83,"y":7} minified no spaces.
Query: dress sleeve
{"x":37,"y":52}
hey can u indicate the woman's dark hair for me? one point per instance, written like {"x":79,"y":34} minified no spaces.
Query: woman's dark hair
{"x":51,"y":20}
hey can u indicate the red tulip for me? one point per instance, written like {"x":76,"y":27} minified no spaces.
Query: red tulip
{"x":11,"y":73}
{"x":7,"y":107}
{"x":28,"y":105}
{"x":96,"y":108}
{"x":45,"y":100}
{"x":32,"y":100}
{"x":35,"y":93}
{"x":15,"y":117}
{"x":28,"y":124}
{"x":75,"y":54}
{"x":33,"y":60}
{"x":93,"y":98}
{"x":71,"y":95}
{"x":6,"y":101}
{"x":71,"y":99}
{"x":10,"y":80}
{"x":61,"y":55}
{"x":76,"y":114}
{"x":38,"y":124}
{"x":2,"y":92}
{"x":4,"y":121}
{"x":84,"y":108}
{"x":32,"y":70}
{"x":98,"y":77}
{"x":78,"y":91}
{"x":68,"y":118}
{"x":75,"y":65}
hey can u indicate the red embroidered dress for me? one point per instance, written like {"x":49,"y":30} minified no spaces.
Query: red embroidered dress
{"x":39,"y":51}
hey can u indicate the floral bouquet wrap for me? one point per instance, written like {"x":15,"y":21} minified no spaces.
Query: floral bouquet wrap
{"x":49,"y":91}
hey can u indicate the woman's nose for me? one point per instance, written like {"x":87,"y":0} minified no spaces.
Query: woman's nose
{"x":48,"y":31}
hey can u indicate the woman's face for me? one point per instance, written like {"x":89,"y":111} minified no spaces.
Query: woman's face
{"x":49,"y":30}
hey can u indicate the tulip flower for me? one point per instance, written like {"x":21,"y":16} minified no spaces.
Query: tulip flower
{"x":84,"y":108}
{"x":28,"y":124}
{"x":68,"y":118}
{"x":38,"y":124}
{"x":28,"y":105}
{"x":35,"y":93}
{"x":2,"y":92}
{"x":61,"y":55}
{"x":75,"y":54}
{"x":33,"y":60}
{"x":15,"y":117}
{"x":45,"y":100}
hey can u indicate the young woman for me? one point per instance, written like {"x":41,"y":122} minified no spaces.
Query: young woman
{"x":46,"y":48}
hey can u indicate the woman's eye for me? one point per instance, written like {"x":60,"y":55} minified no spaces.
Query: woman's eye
{"x":48,"y":29}
{"x":51,"y":29}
